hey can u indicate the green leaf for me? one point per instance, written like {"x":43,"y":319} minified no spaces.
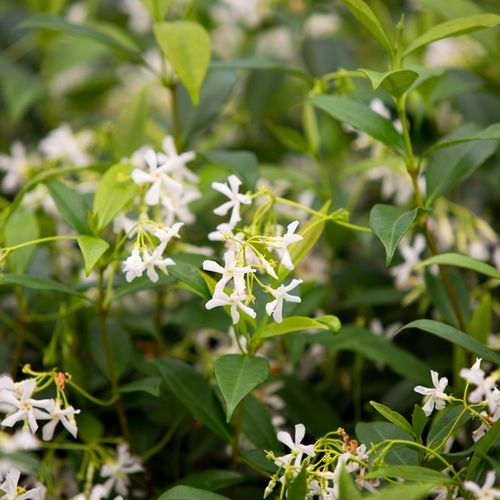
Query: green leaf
{"x":407,"y":491}
{"x":142,"y":283}
{"x":464,"y":261}
{"x":296,"y":324}
{"x":418,"y":420}
{"x":488,"y":441}
{"x":195,"y":393}
{"x":394,"y":417}
{"x":187,"y":47}
{"x":479,"y":325}
{"x":157,"y":8}
{"x":189,"y":493}
{"x":213,"y":479}
{"x":288,"y":137}
{"x":39,"y":283}
{"x":256,"y":425}
{"x":396,"y":82}
{"x":242,"y":163}
{"x":454,"y":336}
{"x":237,"y":375}
{"x":189,"y":277}
{"x":151,"y":385}
{"x":361,"y":117}
{"x":92,"y":250}
{"x":347,"y":487}
{"x":21,"y":227}
{"x":377,"y":349}
{"x":112,"y":38}
{"x":444,"y":421}
{"x":71,"y":204}
{"x":491,"y":133}
{"x":410,"y":473}
{"x":390,"y":224}
{"x":362,"y":12}
{"x":128,"y":132}
{"x":454,"y":27}
{"x":298,"y":489}
{"x":115,"y":190}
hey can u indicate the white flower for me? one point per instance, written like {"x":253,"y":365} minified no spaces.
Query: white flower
{"x":118,"y":470}
{"x":155,"y":260}
{"x":140,"y":20}
{"x":436,"y":396}
{"x":235,"y":199}
{"x":297,"y":449}
{"x":62,"y":145}
{"x":10,"y":488}
{"x":27,"y":408}
{"x":281,"y":244}
{"x":410,"y":254}
{"x":487,"y":491}
{"x":322,"y":25}
{"x":133,"y":267}
{"x":20,"y":440}
{"x":275,"y":307}
{"x":231,"y":270}
{"x":176,"y":163}
{"x":15,"y":166}
{"x":57,"y":414}
{"x":166,"y":235}
{"x":235,"y":301}
{"x":485,"y":385}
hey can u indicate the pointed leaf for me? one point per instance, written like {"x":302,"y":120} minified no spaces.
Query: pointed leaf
{"x":242,"y":163}
{"x":92,"y":250}
{"x":237,"y":375}
{"x":479,"y":325}
{"x":298,"y":323}
{"x":347,"y":487}
{"x":410,"y":473}
{"x":488,"y":441}
{"x":418,"y":420}
{"x":213,"y":479}
{"x":455,"y":336}
{"x":362,"y":12}
{"x":464,"y":261}
{"x":298,"y":489}
{"x":394,"y":417}
{"x":414,"y":491}
{"x":187,"y":47}
{"x":361,"y":117}
{"x":151,"y":385}
{"x":453,"y":27}
{"x":396,"y":82}
{"x":390,"y":224}
{"x":190,"y":493}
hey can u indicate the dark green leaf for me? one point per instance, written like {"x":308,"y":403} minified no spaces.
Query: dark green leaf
{"x":479,"y":325}
{"x":195,"y":393}
{"x":464,"y":261}
{"x":410,"y":473}
{"x":396,"y":82}
{"x":256,"y":425}
{"x":418,"y":420}
{"x":242,"y":163}
{"x":444,"y":421}
{"x":406,"y":491}
{"x":298,"y":489}
{"x":213,"y":479}
{"x":189,"y":493}
{"x":92,"y":250}
{"x":347,"y":487}
{"x":189,"y":276}
{"x":237,"y":375}
{"x":390,"y":224}
{"x":361,"y":117}
{"x":394,"y":417}
{"x":151,"y":385}
{"x":483,"y":446}
{"x":456,"y":337}
{"x":288,"y":137}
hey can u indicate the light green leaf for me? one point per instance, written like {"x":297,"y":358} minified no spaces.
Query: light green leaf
{"x":92,"y":250}
{"x":408,"y":491}
{"x":128,"y":131}
{"x":21,"y":227}
{"x":237,"y":375}
{"x":151,"y":385}
{"x":390,"y":224}
{"x":454,"y":336}
{"x":362,"y":12}
{"x":71,"y":204}
{"x":187,"y":47}
{"x":157,"y":8}
{"x":190,"y":493}
{"x":491,"y":133}
{"x":115,"y":190}
{"x":464,"y":261}
{"x":418,"y":420}
{"x":396,"y":82}
{"x":410,"y":473}
{"x":195,"y":393}
{"x":298,"y":488}
{"x":394,"y":417}
{"x":296,"y":324}
{"x":361,"y":117}
{"x":242,"y":163}
{"x":109,"y":36}
{"x":454,"y":27}
{"x":347,"y":487}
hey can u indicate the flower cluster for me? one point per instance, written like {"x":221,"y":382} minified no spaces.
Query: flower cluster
{"x":259,"y":248}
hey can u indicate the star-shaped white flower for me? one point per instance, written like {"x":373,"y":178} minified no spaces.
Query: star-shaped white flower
{"x":275,"y":307}
{"x":281,"y":244}
{"x":156,"y":260}
{"x":236,"y":199}
{"x":57,"y":414}
{"x":176,"y":163}
{"x":297,"y":449}
{"x":133,"y":266}
{"x":485,"y":492}
{"x":230,"y":271}
{"x":411,"y":255}
{"x":165,"y":235}
{"x":234,"y":301}
{"x":485,"y":389}
{"x":436,"y":396}
{"x":10,"y":491}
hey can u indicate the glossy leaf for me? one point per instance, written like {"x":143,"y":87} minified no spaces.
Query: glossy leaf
{"x":483,"y":446}
{"x":410,"y":473}
{"x":361,"y":117}
{"x":347,"y":487}
{"x":454,"y":336}
{"x":390,"y":224}
{"x":151,"y":385}
{"x":189,"y":277}
{"x":70,"y":204}
{"x":480,"y":323}
{"x":298,"y":488}
{"x":242,"y":163}
{"x":454,"y":27}
{"x":115,"y":190}
{"x":190,"y":493}
{"x":396,"y":82}
{"x":92,"y":250}
{"x":394,"y":417}
{"x":418,"y":420}
{"x":237,"y":375}
{"x":295,"y":324}
{"x":362,"y":12}
{"x":195,"y":393}
{"x":463,"y":261}
{"x":213,"y":479}
{"x":444,"y":421}
{"x":187,"y":47}
{"x":416,"y":491}
{"x":257,"y":426}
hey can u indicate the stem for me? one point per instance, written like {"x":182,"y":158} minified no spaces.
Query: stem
{"x":176,"y":128}
{"x":163,"y":441}
{"x":97,"y":401}
{"x":13,"y":248}
{"x":103,"y":323}
{"x":357,"y":386}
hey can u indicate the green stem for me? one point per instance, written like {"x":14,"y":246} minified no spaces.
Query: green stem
{"x":87,"y":395}
{"x":163,"y":441}
{"x":46,"y":239}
